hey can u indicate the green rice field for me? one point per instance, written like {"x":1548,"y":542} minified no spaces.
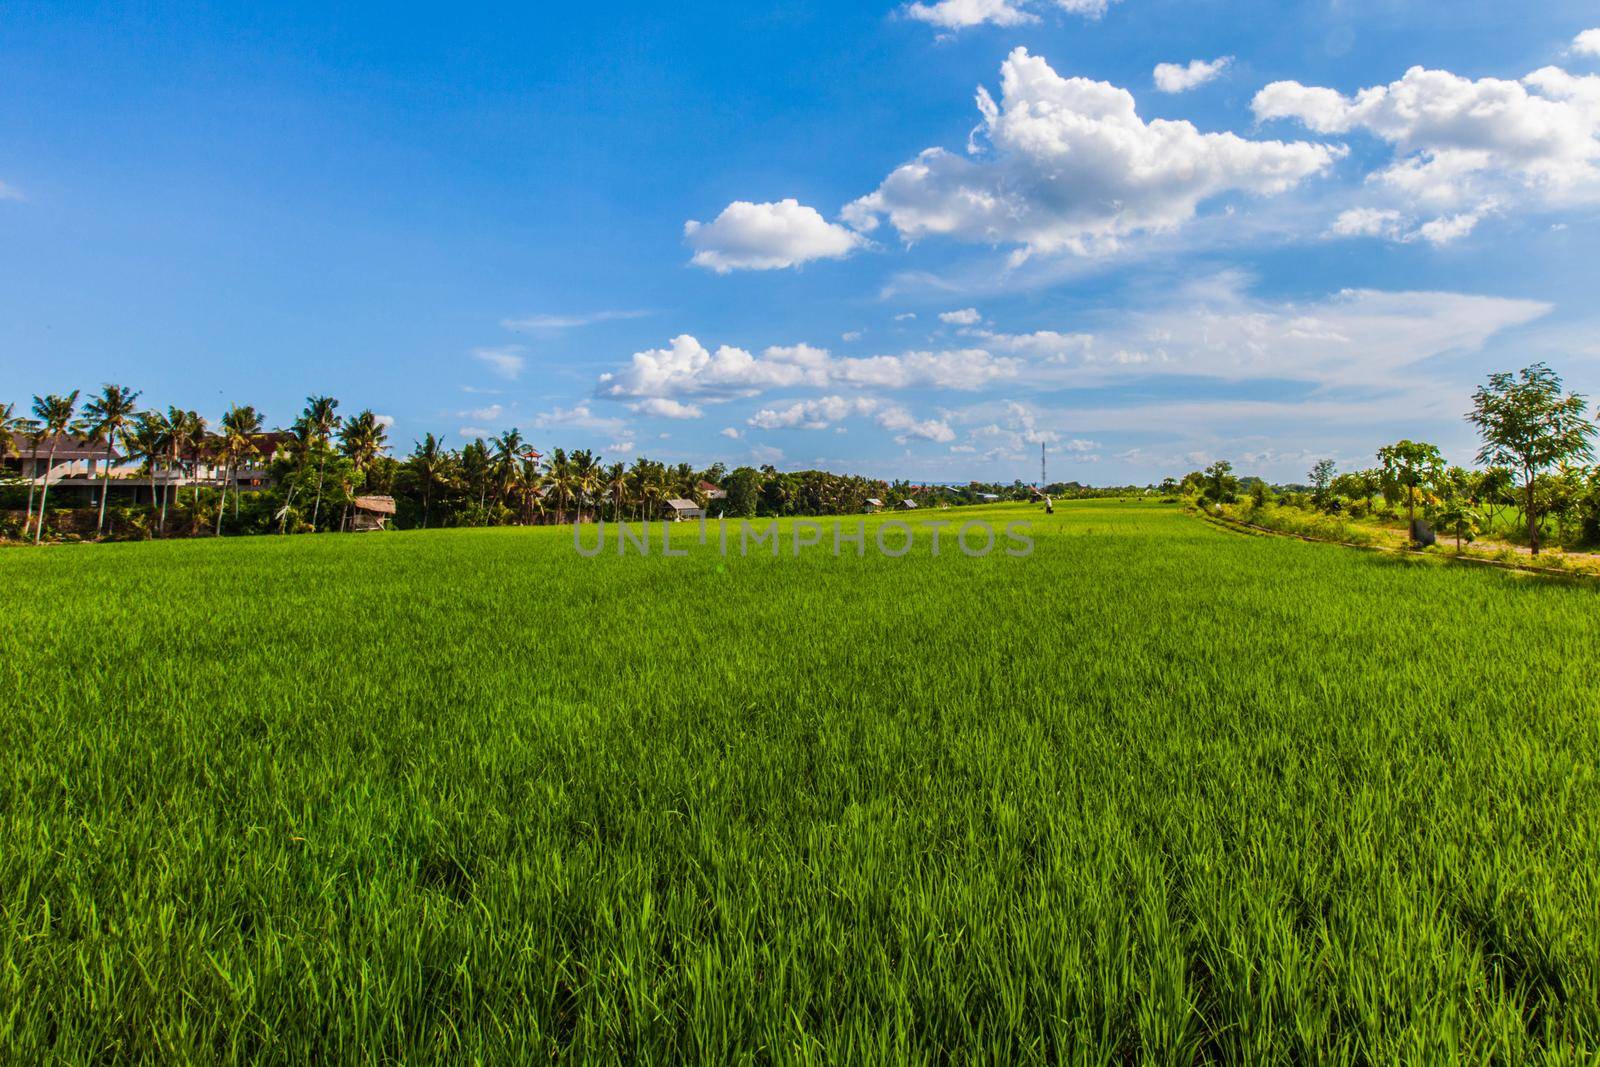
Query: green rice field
{"x":1158,"y":792}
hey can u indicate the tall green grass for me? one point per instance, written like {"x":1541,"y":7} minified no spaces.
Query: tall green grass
{"x":1159,"y":792}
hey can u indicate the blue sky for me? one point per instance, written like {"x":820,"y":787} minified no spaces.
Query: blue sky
{"x":718,"y":233}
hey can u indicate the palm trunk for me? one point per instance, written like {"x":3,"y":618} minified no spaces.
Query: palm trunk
{"x":166,"y":492}
{"x":316,"y":509}
{"x":222,"y":501}
{"x":105,"y":488}
{"x":44,"y":495}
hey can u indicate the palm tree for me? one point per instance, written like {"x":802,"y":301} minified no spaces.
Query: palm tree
{"x":508,"y":449}
{"x":55,"y":415}
{"x":320,"y":423}
{"x":106,"y":417}
{"x":184,"y":431}
{"x":239,"y":428}
{"x":146,"y":438}
{"x":560,"y":480}
{"x":427,"y":465}
{"x":362,"y":441}
{"x":616,"y":484}
{"x":585,"y":478}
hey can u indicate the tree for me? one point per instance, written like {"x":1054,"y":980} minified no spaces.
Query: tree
{"x":320,"y":423}
{"x":1528,"y":423}
{"x":239,"y":427}
{"x":146,"y":438}
{"x":509,"y":448}
{"x":1220,"y":484}
{"x":426,"y":466}
{"x":362,"y":440}
{"x":1411,"y":465}
{"x":55,"y":415}
{"x":1321,"y":477}
{"x":105,"y":418}
{"x":1456,"y":511}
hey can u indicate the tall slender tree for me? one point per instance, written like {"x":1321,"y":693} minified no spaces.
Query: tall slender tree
{"x":105,"y":418}
{"x":426,"y":467}
{"x":362,"y":440}
{"x":239,"y":427}
{"x":55,"y":415}
{"x":320,"y":421}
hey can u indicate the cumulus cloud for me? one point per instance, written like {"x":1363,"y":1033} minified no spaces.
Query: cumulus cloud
{"x":907,"y":427}
{"x":816,"y":414}
{"x":1393,"y":225}
{"x":750,"y":236}
{"x":506,"y":361}
{"x":731,"y":432}
{"x":1462,"y":148}
{"x":687,"y":368}
{"x":386,"y":421}
{"x":1070,"y":166}
{"x":666,"y":408}
{"x":1587,"y":43}
{"x":1180,"y":78}
{"x":964,"y":317}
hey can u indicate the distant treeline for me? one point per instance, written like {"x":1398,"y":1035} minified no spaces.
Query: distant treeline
{"x":180,"y":476}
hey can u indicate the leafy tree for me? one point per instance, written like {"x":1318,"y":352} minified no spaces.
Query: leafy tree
{"x":1529,"y":423}
{"x":1220,"y":484}
{"x":427,"y":468}
{"x":1321,"y":478}
{"x":1411,"y":465}
{"x":744,"y":492}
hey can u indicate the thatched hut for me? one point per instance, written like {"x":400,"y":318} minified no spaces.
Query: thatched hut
{"x":370,"y":512}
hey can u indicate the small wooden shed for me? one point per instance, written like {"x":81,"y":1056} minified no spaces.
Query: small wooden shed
{"x":370,"y":512}
{"x":681,"y":510}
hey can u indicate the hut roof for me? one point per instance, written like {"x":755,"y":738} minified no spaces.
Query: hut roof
{"x":874,"y":502}
{"x":677,"y":504}
{"x":382,"y":505}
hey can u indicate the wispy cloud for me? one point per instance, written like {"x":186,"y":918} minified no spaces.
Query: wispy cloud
{"x":506,"y":361}
{"x":552,"y":323}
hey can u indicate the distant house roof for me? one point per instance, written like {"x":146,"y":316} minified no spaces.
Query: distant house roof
{"x":712,"y":490}
{"x":677,"y":504}
{"x":909,"y":505}
{"x":67,"y":447}
{"x":381,"y":505}
{"x":988,"y":496}
{"x":874,"y":502}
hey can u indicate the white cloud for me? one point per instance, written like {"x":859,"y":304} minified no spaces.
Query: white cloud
{"x":964,"y":317}
{"x":731,"y":432}
{"x":578,"y":417}
{"x":485,"y":414}
{"x":906,"y":427}
{"x":1071,"y":166}
{"x":905,"y":316}
{"x":816,"y":414}
{"x":10,"y":192}
{"x":470,"y":432}
{"x":386,"y":421}
{"x":960,"y":14}
{"x":506,"y":361}
{"x":622,"y":448}
{"x":1464,"y":148}
{"x":1587,"y":43}
{"x":1367,"y":222}
{"x":1179,"y":78}
{"x":541,"y":323}
{"x":1048,"y":346}
{"x":766,"y":454}
{"x":666,"y":408}
{"x":688,"y":369}
{"x":750,"y":236}
{"x":851,"y":335}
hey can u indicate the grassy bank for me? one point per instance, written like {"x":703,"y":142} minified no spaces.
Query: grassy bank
{"x":1155,"y":791}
